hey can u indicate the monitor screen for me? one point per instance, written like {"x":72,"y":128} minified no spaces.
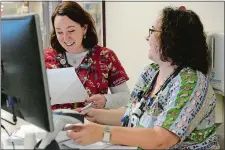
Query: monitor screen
{"x":23,"y":70}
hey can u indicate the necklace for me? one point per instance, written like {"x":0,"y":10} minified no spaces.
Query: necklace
{"x":152,"y":101}
{"x":164,"y":80}
{"x":148,"y":91}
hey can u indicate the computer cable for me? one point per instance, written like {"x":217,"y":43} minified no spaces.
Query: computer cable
{"x":11,"y":104}
{"x":8,"y":134}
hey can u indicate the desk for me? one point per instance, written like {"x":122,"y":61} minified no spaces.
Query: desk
{"x":40,"y":133}
{"x":13,"y":128}
{"x":10,"y":128}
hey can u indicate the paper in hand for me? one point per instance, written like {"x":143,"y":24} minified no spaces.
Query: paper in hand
{"x":65,"y":86}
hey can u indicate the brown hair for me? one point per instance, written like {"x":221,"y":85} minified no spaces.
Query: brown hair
{"x":183,"y":39}
{"x":76,"y":13}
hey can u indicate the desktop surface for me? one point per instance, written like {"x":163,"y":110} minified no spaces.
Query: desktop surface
{"x":40,"y":134}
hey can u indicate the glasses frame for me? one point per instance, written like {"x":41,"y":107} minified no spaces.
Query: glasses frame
{"x":152,"y":30}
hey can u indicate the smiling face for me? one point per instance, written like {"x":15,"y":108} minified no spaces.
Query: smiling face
{"x":153,"y":41}
{"x":69,"y":34}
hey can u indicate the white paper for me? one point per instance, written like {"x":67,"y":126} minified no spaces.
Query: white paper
{"x":29,"y":128}
{"x":121,"y":147}
{"x":98,"y":145}
{"x":65,"y":86}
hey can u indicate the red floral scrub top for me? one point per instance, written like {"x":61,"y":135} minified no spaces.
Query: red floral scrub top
{"x":99,"y":70}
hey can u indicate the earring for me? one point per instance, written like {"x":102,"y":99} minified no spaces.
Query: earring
{"x":84,"y":36}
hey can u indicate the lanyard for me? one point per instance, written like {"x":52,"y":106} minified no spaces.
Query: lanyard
{"x":149,"y":90}
{"x":85,"y":65}
{"x":126,"y":119}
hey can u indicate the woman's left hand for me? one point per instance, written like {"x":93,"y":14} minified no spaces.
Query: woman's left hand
{"x":85,"y":134}
{"x":98,"y":100}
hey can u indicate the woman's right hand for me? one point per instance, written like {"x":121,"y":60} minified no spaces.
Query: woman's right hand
{"x":90,"y":114}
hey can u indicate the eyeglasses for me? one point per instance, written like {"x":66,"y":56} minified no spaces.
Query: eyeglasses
{"x":152,"y":30}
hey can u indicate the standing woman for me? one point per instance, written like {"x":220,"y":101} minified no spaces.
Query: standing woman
{"x":75,"y":44}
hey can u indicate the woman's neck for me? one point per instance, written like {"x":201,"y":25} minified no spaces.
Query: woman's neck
{"x":165,"y":69}
{"x":79,"y":50}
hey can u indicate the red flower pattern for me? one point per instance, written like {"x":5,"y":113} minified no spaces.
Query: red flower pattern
{"x":106,"y":71}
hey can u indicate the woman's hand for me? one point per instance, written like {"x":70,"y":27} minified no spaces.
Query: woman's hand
{"x":85,"y":134}
{"x":98,"y":101}
{"x":90,"y":114}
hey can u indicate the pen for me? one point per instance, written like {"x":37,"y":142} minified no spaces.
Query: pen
{"x":87,"y":107}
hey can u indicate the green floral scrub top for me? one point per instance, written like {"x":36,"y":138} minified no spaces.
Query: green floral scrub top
{"x":185,"y":107}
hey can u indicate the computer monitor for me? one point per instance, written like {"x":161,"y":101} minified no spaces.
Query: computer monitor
{"x":23,"y":73}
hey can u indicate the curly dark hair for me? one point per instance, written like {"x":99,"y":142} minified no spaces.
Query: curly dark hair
{"x":76,"y":13}
{"x":183,"y":39}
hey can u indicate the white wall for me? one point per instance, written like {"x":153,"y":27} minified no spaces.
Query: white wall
{"x":127,"y":24}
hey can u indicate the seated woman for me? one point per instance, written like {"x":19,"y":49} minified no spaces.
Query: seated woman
{"x":74,"y":44}
{"x":173,"y":103}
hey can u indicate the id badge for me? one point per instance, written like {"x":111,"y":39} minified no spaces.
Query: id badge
{"x":147,"y":120}
{"x":144,"y":121}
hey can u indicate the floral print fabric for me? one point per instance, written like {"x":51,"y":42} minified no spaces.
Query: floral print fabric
{"x":185,"y":107}
{"x":99,"y":70}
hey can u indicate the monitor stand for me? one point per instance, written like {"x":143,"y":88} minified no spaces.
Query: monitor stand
{"x":52,"y":146}
{"x":64,"y":117}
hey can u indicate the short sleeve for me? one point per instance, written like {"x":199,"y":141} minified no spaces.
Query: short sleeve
{"x":117,"y":74}
{"x":50,"y":60}
{"x":186,"y":104}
